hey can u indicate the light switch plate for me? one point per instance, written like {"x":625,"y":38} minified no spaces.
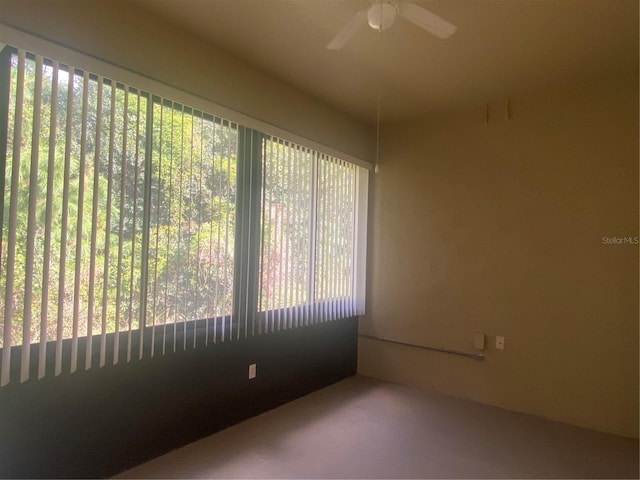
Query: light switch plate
{"x":478,"y":340}
{"x":500,"y":343}
{"x":252,"y":371}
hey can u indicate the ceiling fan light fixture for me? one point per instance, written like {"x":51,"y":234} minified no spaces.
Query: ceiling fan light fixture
{"x":381,"y":16}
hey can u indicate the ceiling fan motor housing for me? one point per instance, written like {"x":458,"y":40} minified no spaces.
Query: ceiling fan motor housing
{"x":381,"y":15}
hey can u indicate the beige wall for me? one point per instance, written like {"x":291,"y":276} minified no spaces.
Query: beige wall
{"x":497,"y":228}
{"x":122,"y":33}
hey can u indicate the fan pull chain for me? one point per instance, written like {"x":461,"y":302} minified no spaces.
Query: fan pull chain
{"x":377,"y":135}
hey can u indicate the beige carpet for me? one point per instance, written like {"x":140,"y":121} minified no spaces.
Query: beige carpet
{"x":364,"y":428}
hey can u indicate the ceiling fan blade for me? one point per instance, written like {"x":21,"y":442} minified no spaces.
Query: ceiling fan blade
{"x":349,"y":30}
{"x":426,"y":20}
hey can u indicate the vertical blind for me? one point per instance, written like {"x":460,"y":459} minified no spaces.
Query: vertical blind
{"x":133,"y":225}
{"x":307,"y":238}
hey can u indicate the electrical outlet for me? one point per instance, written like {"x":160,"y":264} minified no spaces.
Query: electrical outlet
{"x":500,"y":343}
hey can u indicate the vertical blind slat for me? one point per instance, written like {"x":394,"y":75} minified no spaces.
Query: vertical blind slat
{"x":107,"y":240}
{"x":285,"y":228}
{"x":213,"y":275}
{"x":65,"y":221}
{"x":167,"y":279}
{"x":165,"y":313}
{"x":181,"y":197}
{"x":249,"y":320}
{"x":174,"y":269}
{"x":343,"y":265}
{"x":246,"y":236}
{"x":332,"y":240}
{"x":146,"y":217}
{"x":94,"y":229}
{"x":157,"y":235}
{"x":280,"y":223}
{"x":359,"y":239}
{"x":228,"y":308}
{"x":198,"y":266}
{"x":294,"y":225}
{"x":323,"y":240}
{"x":354,"y":265}
{"x":121,"y":205}
{"x":132,"y":262}
{"x":189,"y":209}
{"x":218,"y":154}
{"x":313,"y":225}
{"x":296,"y":211}
{"x":340,"y":238}
{"x":323,"y":243}
{"x":327,"y":238}
{"x":294,"y":243}
{"x":13,"y":214}
{"x":265,"y":263}
{"x":321,"y":232}
{"x":220,"y":304}
{"x":31,"y":222}
{"x":44,"y":306}
{"x":262,"y":284}
{"x":272,"y":235}
{"x":347,"y":279}
{"x":79,"y":215}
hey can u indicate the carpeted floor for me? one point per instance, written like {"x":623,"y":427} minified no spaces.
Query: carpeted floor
{"x":365,"y":428}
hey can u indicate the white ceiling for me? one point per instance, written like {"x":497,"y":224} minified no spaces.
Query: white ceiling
{"x":502,"y":48}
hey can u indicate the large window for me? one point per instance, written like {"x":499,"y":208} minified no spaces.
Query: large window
{"x":133,"y":225}
{"x":306,"y":258}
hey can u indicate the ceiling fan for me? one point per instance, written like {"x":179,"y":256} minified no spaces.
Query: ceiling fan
{"x":381,"y":15}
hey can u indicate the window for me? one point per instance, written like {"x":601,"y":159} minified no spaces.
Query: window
{"x":307,"y":246}
{"x":192,"y":221}
{"x":134,"y":225}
